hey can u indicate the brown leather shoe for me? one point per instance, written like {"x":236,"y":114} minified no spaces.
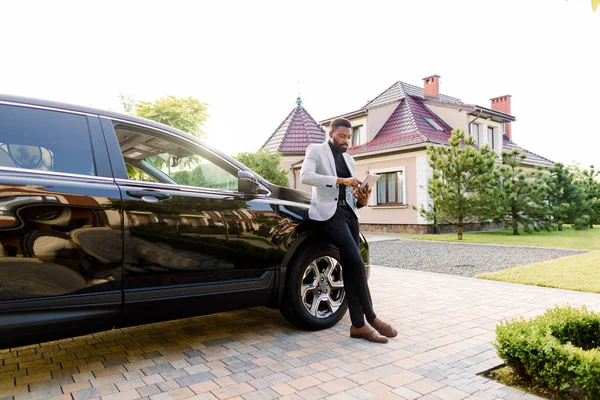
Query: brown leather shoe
{"x":385,"y":329}
{"x":368,"y":333}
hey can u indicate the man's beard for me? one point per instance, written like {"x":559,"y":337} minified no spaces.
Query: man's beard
{"x":339,"y":147}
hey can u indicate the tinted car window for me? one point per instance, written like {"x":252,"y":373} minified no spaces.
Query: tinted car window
{"x":180,"y":163}
{"x":45,"y":140}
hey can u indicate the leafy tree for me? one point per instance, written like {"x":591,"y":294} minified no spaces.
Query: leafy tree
{"x":595,"y":4}
{"x":521,"y":196}
{"x":461,"y":185}
{"x":186,"y":114}
{"x":127,"y":102}
{"x":565,"y":198}
{"x":588,"y":180}
{"x":266,"y":164}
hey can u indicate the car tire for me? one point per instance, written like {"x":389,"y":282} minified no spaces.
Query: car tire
{"x":314,"y":296}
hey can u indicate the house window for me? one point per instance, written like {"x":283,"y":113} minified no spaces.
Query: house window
{"x":358,"y":136}
{"x":475,"y":133}
{"x":391,"y":188}
{"x":433,"y":124}
{"x":491,"y":141}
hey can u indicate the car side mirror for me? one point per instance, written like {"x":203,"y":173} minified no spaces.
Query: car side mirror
{"x":248,"y":184}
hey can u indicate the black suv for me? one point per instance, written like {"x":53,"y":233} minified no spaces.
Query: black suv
{"x":109,"y":220}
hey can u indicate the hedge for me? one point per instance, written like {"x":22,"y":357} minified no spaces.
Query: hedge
{"x":558,"y":350}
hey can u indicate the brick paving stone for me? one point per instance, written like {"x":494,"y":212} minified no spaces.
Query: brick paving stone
{"x":262,"y":394}
{"x":304,"y":382}
{"x":157,"y":369}
{"x":425,"y":385}
{"x":124,"y":395}
{"x":128,"y":385}
{"x":406,"y":393}
{"x":148,"y":390}
{"x":168,"y":385}
{"x":338,"y":385}
{"x":91,"y":393}
{"x":196,"y":378}
{"x":203,"y":396}
{"x":360,"y":393}
{"x":233,"y":390}
{"x":259,"y":383}
{"x":107,"y":379}
{"x":242,"y":377}
{"x":151,"y":379}
{"x":283,"y":389}
{"x":450,"y":393}
{"x":176,"y":394}
{"x":313,"y":393}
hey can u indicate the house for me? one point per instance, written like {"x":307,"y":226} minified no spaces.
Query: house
{"x":389,"y":137}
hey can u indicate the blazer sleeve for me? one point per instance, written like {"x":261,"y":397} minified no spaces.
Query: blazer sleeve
{"x":308,"y":174}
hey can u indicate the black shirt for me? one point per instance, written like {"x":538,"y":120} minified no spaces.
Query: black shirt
{"x":341,"y":169}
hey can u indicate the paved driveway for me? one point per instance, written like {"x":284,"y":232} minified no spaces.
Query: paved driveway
{"x":457,"y":258}
{"x":446,"y":326}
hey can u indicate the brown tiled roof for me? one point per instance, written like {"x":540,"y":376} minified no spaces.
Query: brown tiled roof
{"x":400,"y":90}
{"x":532,"y":158}
{"x":297,"y":131}
{"x":406,"y":127}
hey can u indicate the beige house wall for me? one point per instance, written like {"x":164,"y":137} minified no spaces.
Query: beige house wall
{"x":460,"y":119}
{"x":377,"y":118}
{"x":374,"y":214}
{"x":286,"y":165}
{"x":452,"y":116}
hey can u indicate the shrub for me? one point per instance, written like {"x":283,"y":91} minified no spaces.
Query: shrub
{"x":557,"y":350}
{"x":582,"y":222}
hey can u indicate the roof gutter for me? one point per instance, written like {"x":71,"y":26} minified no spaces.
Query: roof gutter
{"x":479,"y":116}
{"x":493,"y":113}
{"x":353,"y":114}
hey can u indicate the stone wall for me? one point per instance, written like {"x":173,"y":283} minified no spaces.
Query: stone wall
{"x":427,"y":229}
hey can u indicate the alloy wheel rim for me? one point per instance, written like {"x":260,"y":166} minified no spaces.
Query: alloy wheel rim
{"x":322,"y":288}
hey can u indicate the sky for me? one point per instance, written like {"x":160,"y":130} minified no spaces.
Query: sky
{"x":245,"y":58}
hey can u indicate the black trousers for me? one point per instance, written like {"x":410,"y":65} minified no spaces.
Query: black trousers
{"x":343,"y":231}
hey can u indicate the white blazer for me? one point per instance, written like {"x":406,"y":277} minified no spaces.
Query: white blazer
{"x":318,"y":170}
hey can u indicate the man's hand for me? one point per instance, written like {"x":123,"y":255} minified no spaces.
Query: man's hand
{"x":349,"y":182}
{"x":362,"y":196}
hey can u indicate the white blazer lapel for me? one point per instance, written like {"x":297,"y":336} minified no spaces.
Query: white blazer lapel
{"x":329,"y":155}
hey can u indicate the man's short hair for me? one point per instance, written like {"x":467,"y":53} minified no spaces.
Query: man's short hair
{"x":339,"y":122}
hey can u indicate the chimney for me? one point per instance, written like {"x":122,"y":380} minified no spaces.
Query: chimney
{"x":432,"y":86}
{"x":502,"y":104}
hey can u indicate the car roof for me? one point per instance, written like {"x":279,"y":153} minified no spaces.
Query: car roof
{"x":18,"y":100}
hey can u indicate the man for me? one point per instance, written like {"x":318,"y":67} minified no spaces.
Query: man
{"x":336,"y":196}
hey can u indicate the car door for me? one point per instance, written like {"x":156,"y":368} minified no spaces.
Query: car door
{"x":194,"y":244}
{"x":60,"y":226}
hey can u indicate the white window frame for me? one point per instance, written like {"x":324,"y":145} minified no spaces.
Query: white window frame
{"x":373,"y":197}
{"x":476,"y":135}
{"x":493,"y":129}
{"x":362,"y":135}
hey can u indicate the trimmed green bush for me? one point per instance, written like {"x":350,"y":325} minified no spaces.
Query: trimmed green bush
{"x":558,"y":350}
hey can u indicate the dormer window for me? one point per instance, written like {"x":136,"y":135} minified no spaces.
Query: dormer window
{"x":358,"y":136}
{"x":433,"y":124}
{"x":475,"y":134}
{"x":491,"y":141}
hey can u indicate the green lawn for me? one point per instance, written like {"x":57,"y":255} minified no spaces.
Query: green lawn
{"x":580,"y":272}
{"x":588,"y":239}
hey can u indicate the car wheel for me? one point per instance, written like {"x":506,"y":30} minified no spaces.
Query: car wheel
{"x":314,"y":296}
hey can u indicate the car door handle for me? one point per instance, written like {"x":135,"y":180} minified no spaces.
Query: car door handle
{"x":149,"y":194}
